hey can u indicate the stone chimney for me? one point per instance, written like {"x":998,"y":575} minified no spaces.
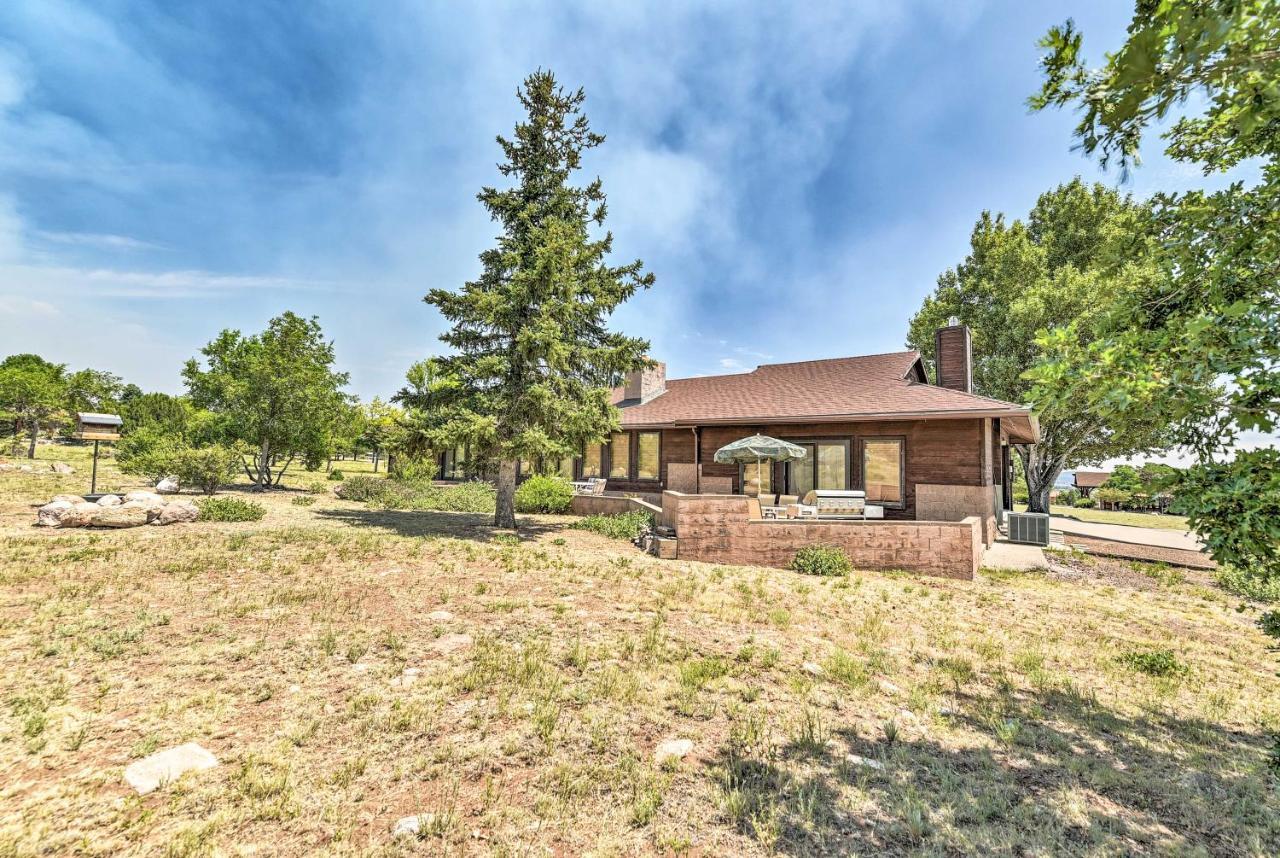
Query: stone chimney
{"x":954,"y":356}
{"x":644,"y":384}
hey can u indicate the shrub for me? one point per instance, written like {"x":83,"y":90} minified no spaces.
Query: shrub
{"x":471,"y":496}
{"x":822,"y":560}
{"x":627,"y":525}
{"x":205,"y":468}
{"x":148,"y":452}
{"x":1270,"y":624}
{"x":303,"y":500}
{"x":318,"y":487}
{"x":1155,"y":662}
{"x":1250,"y":584}
{"x":335,"y":474}
{"x":544,"y":493}
{"x":230,"y":509}
{"x":1084,"y":503}
{"x":419,"y":471}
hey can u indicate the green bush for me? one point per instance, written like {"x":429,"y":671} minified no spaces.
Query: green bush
{"x":336,"y":474}
{"x":627,"y":525}
{"x":303,"y":500}
{"x":1155,"y":662}
{"x":205,"y":468}
{"x":1251,"y":584}
{"x":822,"y":560}
{"x":544,"y":493}
{"x":230,"y":509}
{"x":1270,"y":624}
{"x":414,"y":471}
{"x":148,"y":452}
{"x":471,"y":496}
{"x":318,"y":487}
{"x":1084,"y":503}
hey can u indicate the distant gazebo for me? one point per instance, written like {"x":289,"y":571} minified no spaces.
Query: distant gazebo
{"x":1086,"y":481}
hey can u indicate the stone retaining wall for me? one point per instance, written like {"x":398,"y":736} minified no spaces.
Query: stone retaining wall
{"x":955,"y":503}
{"x":610,"y":505}
{"x":716,"y":529}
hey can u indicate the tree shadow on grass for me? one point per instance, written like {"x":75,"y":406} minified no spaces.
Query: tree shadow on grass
{"x":1030,"y":773}
{"x":458,"y":525}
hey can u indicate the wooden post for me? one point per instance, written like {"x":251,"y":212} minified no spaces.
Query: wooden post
{"x":93,"y":480}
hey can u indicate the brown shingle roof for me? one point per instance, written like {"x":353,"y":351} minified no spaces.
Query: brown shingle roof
{"x":1091,"y":479}
{"x":874,"y":386}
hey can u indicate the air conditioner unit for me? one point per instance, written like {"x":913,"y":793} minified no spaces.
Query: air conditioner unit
{"x":1029,"y":528}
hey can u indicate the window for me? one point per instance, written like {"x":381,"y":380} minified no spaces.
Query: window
{"x":620,"y":456}
{"x":648,"y":463}
{"x":526,"y":468}
{"x":591,"y":461}
{"x":825,"y":466}
{"x":454,"y":463}
{"x":882,"y":470}
{"x":566,"y":468}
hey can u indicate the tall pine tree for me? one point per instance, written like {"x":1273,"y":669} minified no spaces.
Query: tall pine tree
{"x":533,"y":358}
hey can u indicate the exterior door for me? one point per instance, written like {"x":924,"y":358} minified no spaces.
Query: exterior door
{"x":825,"y":466}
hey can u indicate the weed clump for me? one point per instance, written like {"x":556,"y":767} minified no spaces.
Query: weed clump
{"x":822,"y":560}
{"x":230,"y":509}
{"x":624,"y":525}
{"x":1155,"y":662}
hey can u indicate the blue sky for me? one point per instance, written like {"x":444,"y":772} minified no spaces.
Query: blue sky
{"x":173,"y":168}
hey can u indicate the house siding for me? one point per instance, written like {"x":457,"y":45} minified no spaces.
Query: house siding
{"x":937,"y":452}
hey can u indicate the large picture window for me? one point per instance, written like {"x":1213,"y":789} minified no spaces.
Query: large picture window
{"x":825,"y":466}
{"x":648,"y":462}
{"x":620,"y":456}
{"x":591,"y":466}
{"x":882,"y":471}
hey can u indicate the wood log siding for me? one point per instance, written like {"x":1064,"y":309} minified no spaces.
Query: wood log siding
{"x":945,"y":452}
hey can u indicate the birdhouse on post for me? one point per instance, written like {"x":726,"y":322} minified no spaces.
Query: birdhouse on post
{"x":95,"y":428}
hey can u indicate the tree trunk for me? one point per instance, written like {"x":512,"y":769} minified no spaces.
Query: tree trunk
{"x":35,"y":432}
{"x":1041,"y":473}
{"x":505,"y":514}
{"x":375,"y":460}
{"x":264,"y":466}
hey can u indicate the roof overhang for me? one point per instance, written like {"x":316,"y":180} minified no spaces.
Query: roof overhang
{"x":1022,"y":425}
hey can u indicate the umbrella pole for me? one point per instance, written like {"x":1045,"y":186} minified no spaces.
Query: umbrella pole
{"x":759,"y":484}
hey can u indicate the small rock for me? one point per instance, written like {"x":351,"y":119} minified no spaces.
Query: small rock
{"x":122,"y":516}
{"x":451,"y":643}
{"x":411,"y":826}
{"x":168,"y":486}
{"x":71,"y":499}
{"x":175,"y":512}
{"x":62,"y":468}
{"x":440,"y":616}
{"x":408,"y":678}
{"x":143,"y":495}
{"x":888,"y":687}
{"x":812,"y":668}
{"x":166,"y":766}
{"x":53,"y":513}
{"x":361,"y":667}
{"x":672,"y":750}
{"x":26,"y":469}
{"x":865,"y":762}
{"x":109,"y":500}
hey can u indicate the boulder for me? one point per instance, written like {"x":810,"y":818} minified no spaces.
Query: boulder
{"x":71,"y":499}
{"x":151,"y":508}
{"x":120,"y":516}
{"x":26,"y":469}
{"x":672,"y":751}
{"x":178,"y":511}
{"x":53,"y":513}
{"x":168,"y":486}
{"x":164,"y":767}
{"x":62,"y":468}
{"x":80,"y":514}
{"x":109,"y":500}
{"x":143,"y":495}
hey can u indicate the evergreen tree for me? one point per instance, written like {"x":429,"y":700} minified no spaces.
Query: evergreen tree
{"x":534,"y":360}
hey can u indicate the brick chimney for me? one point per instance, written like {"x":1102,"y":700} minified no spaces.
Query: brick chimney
{"x":645,"y":384}
{"x":954,"y":356}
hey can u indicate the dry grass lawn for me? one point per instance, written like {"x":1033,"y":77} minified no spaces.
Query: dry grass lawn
{"x":869,"y":714}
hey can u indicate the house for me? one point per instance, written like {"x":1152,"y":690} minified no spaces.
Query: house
{"x":1086,"y":481}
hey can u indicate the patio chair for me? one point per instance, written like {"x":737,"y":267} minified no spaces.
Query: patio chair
{"x":753,"y":509}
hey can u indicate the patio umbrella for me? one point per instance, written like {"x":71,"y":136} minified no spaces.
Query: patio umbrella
{"x":756,"y":449}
